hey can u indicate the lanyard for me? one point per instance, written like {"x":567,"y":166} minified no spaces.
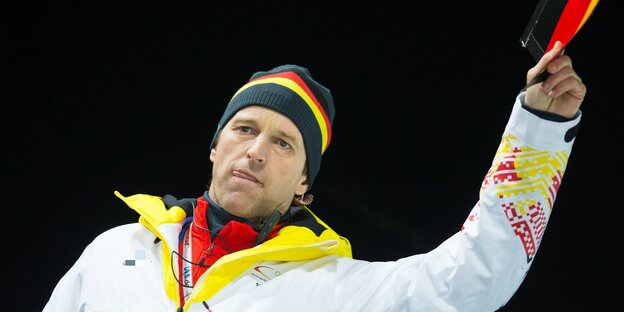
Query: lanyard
{"x":185,"y":264}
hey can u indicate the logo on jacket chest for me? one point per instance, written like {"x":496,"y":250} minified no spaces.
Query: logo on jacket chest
{"x":263,"y":274}
{"x":138,"y":259}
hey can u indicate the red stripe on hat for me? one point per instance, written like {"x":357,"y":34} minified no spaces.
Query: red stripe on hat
{"x":294,"y":77}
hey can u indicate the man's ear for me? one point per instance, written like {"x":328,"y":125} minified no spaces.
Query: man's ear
{"x":302,"y":188}
{"x":213,"y":154}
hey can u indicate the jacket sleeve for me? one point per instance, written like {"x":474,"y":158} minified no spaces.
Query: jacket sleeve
{"x":66,"y":295}
{"x":481,"y":266}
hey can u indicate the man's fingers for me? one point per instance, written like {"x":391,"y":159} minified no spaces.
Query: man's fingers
{"x":569,"y":85}
{"x":556,"y":51}
{"x":537,"y":71}
{"x":556,"y":77}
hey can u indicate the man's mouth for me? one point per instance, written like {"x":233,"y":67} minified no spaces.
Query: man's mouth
{"x":245,"y":176}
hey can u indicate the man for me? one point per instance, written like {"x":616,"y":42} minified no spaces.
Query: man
{"x":249,"y":243}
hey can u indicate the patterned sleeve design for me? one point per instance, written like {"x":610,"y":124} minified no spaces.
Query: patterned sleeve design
{"x":526,"y":182}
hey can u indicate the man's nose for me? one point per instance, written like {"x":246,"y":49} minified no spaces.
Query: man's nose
{"x":258,"y":150}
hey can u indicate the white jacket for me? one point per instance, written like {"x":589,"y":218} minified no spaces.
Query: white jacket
{"x":477,"y":269}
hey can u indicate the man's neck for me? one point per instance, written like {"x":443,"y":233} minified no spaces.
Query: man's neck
{"x":218,"y":217}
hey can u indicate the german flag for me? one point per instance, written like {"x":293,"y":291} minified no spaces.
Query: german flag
{"x":555,"y":20}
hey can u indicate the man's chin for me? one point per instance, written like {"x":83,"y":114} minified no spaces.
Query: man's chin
{"x":239,"y":204}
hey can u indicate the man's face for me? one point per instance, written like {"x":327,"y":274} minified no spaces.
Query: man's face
{"x":258,"y":163}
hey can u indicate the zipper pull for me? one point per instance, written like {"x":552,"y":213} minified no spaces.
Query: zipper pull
{"x":206,"y":254}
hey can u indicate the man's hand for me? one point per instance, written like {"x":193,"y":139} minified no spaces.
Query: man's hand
{"x":563,"y":90}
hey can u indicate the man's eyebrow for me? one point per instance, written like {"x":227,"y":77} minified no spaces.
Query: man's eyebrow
{"x":247,"y":121}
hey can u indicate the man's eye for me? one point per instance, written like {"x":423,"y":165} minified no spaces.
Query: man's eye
{"x":245,"y":129}
{"x":283,"y":144}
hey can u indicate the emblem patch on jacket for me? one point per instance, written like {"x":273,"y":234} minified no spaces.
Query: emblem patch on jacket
{"x":263,"y":274}
{"x":139,"y":258}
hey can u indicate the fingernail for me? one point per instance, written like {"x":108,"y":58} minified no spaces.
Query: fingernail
{"x":550,"y":93}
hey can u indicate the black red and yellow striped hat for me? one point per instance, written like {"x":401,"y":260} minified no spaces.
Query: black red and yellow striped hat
{"x":291,"y":91}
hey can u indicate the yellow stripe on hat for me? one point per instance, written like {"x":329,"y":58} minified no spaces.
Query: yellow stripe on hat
{"x":295,"y":87}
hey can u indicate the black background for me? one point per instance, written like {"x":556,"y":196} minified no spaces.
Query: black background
{"x":104,"y":96}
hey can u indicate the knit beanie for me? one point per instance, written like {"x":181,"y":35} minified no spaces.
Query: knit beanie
{"x":291,"y":91}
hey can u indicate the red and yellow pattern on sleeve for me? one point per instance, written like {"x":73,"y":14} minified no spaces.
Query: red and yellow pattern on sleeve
{"x":526,"y":182}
